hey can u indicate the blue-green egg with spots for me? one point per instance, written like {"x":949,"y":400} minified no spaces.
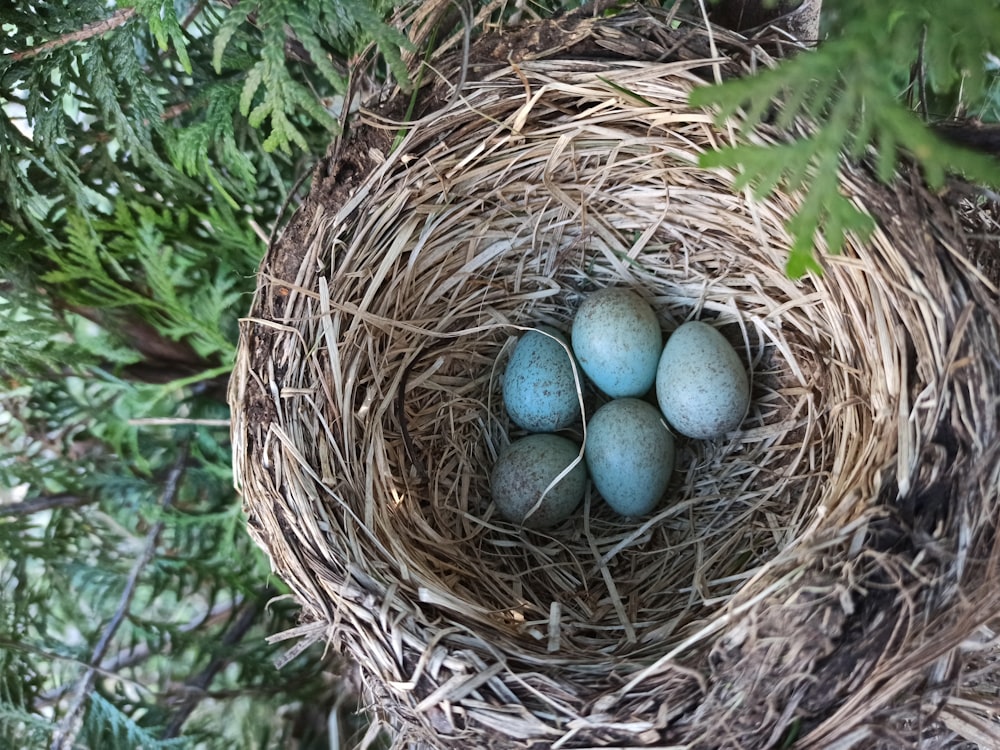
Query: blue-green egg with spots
{"x":701,"y":382}
{"x":629,"y":453}
{"x":617,"y":341}
{"x":540,"y":389}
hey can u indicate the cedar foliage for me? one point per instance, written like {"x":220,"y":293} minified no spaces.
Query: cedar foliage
{"x":885,"y":71}
{"x":146,"y":150}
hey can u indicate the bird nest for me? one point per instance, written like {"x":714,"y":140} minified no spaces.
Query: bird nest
{"x":822,"y":577}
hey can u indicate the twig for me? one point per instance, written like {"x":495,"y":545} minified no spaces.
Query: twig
{"x":174,"y":110}
{"x":197,"y":685}
{"x":64,"y":736}
{"x":171,"y":421}
{"x":192,"y":14}
{"x":45,"y":502}
{"x":90,"y":30}
{"x":131,"y":657}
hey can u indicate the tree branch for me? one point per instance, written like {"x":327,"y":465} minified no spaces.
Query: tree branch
{"x":90,"y":30}
{"x":198,"y":684}
{"x":45,"y":502}
{"x":64,"y":736}
{"x":132,"y":657}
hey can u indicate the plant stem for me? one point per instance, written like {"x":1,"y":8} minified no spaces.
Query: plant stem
{"x":45,"y":502}
{"x":90,"y":30}
{"x":197,"y":685}
{"x":64,"y":736}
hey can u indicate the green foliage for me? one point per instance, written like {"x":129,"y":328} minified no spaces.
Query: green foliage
{"x":133,"y":199}
{"x":153,"y":262}
{"x":209,"y":147}
{"x":270,"y":92}
{"x":105,"y":725}
{"x":149,"y":98}
{"x":851,"y":89}
{"x":127,"y":483}
{"x":34,"y":341}
{"x":161,"y":16}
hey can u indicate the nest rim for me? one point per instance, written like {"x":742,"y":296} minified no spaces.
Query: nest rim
{"x":425,"y":648}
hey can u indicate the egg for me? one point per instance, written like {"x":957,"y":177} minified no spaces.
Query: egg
{"x":701,"y":384}
{"x":617,"y":341}
{"x":525,"y":468}
{"x":539,"y":387}
{"x":630,"y":455}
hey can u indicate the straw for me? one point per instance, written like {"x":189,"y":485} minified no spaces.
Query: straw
{"x":815,"y":576}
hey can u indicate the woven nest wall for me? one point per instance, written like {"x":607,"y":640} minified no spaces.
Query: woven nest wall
{"x":825,"y":575}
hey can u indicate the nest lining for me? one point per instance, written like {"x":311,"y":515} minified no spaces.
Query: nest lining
{"x":374,"y":415}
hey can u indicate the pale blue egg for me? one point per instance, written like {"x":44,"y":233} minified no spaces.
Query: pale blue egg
{"x":630,"y":455}
{"x":539,"y":388}
{"x":523,"y":471}
{"x":701,"y":383}
{"x":617,"y":341}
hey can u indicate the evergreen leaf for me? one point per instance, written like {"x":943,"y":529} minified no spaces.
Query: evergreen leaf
{"x":845,"y":90}
{"x":208,"y":146}
{"x":106,"y":725}
{"x":275,"y":94}
{"x":161,"y":15}
{"x":255,"y":77}
{"x":301,"y":24}
{"x":235,"y":18}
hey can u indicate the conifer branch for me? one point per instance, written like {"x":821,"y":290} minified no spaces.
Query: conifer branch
{"x":64,"y":736}
{"x":197,"y":686}
{"x":140,"y":652}
{"x":90,"y":30}
{"x":849,"y":94}
{"x":127,"y":174}
{"x":45,"y":502}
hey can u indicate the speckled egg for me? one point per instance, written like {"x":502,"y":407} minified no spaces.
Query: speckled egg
{"x":539,"y":387}
{"x":701,"y":384}
{"x":630,"y":455}
{"x":617,"y":341}
{"x":525,"y":468}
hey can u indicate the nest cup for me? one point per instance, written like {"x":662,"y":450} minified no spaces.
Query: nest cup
{"x":812,"y":577}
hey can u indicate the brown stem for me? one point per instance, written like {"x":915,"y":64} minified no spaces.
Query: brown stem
{"x":175,"y":110}
{"x":45,"y":502}
{"x":90,"y":30}
{"x":65,"y":734}
{"x":197,"y":685}
{"x":136,"y":655}
{"x":192,"y":14}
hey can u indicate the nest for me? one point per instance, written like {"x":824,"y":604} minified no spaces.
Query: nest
{"x":823,"y":577}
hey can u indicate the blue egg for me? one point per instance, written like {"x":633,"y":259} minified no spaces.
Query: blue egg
{"x":701,"y":383}
{"x":617,"y":341}
{"x":539,"y":387}
{"x":630,"y":455}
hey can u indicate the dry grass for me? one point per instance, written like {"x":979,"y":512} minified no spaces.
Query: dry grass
{"x":819,"y":572}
